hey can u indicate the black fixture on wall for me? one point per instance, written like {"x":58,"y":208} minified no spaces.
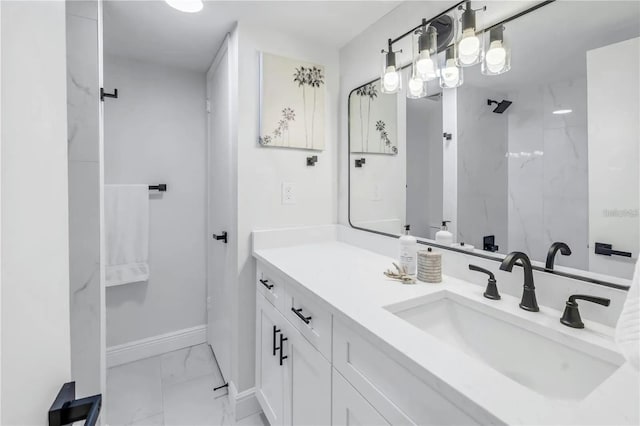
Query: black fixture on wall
{"x":489,"y":243}
{"x":66,"y":409}
{"x":607,"y":250}
{"x":222,"y":237}
{"x":447,"y":136}
{"x":162,"y":187}
{"x":104,"y":94}
{"x":359,"y":162}
{"x":311,"y":161}
{"x":500,"y":106}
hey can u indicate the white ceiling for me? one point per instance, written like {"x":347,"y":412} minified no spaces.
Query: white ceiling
{"x":153,"y":31}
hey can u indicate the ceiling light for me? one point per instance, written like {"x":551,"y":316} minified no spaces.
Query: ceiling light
{"x":469,"y":45}
{"x":450,"y":72}
{"x":391,"y":81}
{"x":562,"y":111}
{"x":497,"y":59}
{"x":188,"y":6}
{"x":425,"y":53}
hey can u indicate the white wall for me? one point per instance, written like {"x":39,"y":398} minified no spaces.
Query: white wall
{"x":155,"y":132}
{"x":35,"y":255}
{"x":84,"y":196}
{"x":614,"y":154}
{"x":261,"y":172}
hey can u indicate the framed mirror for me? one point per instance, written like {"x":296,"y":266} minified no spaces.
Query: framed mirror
{"x":546,"y":152}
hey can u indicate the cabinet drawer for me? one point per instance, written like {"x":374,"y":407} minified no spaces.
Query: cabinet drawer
{"x":313,"y":321}
{"x":350,"y":408}
{"x":272,"y":289}
{"x":399,"y":396}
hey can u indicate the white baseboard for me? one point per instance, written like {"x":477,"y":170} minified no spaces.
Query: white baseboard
{"x":156,"y":345}
{"x":245,"y":403}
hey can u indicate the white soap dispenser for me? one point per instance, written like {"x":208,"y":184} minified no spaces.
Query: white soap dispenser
{"x":408,"y":252}
{"x":443,"y":236}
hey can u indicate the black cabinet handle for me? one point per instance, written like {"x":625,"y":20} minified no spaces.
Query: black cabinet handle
{"x":276,"y":330}
{"x":298,"y":312}
{"x":222,"y":237}
{"x":607,"y":250}
{"x":282,"y":339}
{"x":266,"y":284}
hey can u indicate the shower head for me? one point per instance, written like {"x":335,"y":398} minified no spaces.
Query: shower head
{"x":500,"y":106}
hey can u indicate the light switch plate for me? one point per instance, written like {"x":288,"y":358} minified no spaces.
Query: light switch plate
{"x":288,"y":193}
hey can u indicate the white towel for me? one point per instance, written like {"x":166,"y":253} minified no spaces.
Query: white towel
{"x":127,"y":231}
{"x":628,"y":327}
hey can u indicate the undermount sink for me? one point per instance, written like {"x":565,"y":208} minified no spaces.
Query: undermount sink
{"x":550,"y":368}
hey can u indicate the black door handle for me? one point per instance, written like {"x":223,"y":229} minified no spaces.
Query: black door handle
{"x":276,"y":330}
{"x":222,"y":237}
{"x":298,"y":312}
{"x":282,"y":339}
{"x":266,"y":284}
{"x":607,"y":250}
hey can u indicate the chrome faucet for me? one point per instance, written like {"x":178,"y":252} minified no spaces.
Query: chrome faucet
{"x":528,"y":302}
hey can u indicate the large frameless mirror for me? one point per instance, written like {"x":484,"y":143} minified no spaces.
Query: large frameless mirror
{"x":526,"y":136}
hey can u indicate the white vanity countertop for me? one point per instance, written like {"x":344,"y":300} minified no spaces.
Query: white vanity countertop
{"x":349,"y":280}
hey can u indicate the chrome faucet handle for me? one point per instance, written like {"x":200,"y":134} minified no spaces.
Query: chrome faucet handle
{"x":492,"y":289}
{"x":571,"y":314}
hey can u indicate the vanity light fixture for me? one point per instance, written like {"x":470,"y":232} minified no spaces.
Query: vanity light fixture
{"x":188,"y":6}
{"x":497,"y":59}
{"x":425,"y":57}
{"x":562,"y":111}
{"x":470,"y":44}
{"x":391,"y":78}
{"x":450,"y":72}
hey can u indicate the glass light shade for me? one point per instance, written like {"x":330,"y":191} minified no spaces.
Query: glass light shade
{"x":390,"y":79}
{"x":470,"y":43}
{"x":450,"y":71}
{"x":425,"y":53}
{"x":416,"y":87}
{"x":497,"y":58}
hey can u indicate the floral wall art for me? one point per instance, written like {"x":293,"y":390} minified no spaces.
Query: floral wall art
{"x":373,"y":119}
{"x":292,"y":103}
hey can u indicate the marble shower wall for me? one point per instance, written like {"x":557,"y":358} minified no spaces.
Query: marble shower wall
{"x":84,"y":194}
{"x":482,"y":167}
{"x":548,"y":180}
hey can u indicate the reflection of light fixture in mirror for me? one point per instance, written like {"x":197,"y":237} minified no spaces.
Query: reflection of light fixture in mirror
{"x":469,"y":44}
{"x":189,"y":6}
{"x":416,"y":87}
{"x":391,"y":81}
{"x":425,"y":53}
{"x":497,"y":59}
{"x":450,"y":72}
{"x":562,"y":111}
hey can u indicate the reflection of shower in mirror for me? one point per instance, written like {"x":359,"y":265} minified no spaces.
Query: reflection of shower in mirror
{"x":500,"y":106}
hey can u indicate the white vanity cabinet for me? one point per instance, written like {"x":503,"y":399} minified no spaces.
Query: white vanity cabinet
{"x":311,"y":369}
{"x":293,"y":379}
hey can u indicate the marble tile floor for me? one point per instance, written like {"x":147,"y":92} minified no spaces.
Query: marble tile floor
{"x":171,"y":389}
